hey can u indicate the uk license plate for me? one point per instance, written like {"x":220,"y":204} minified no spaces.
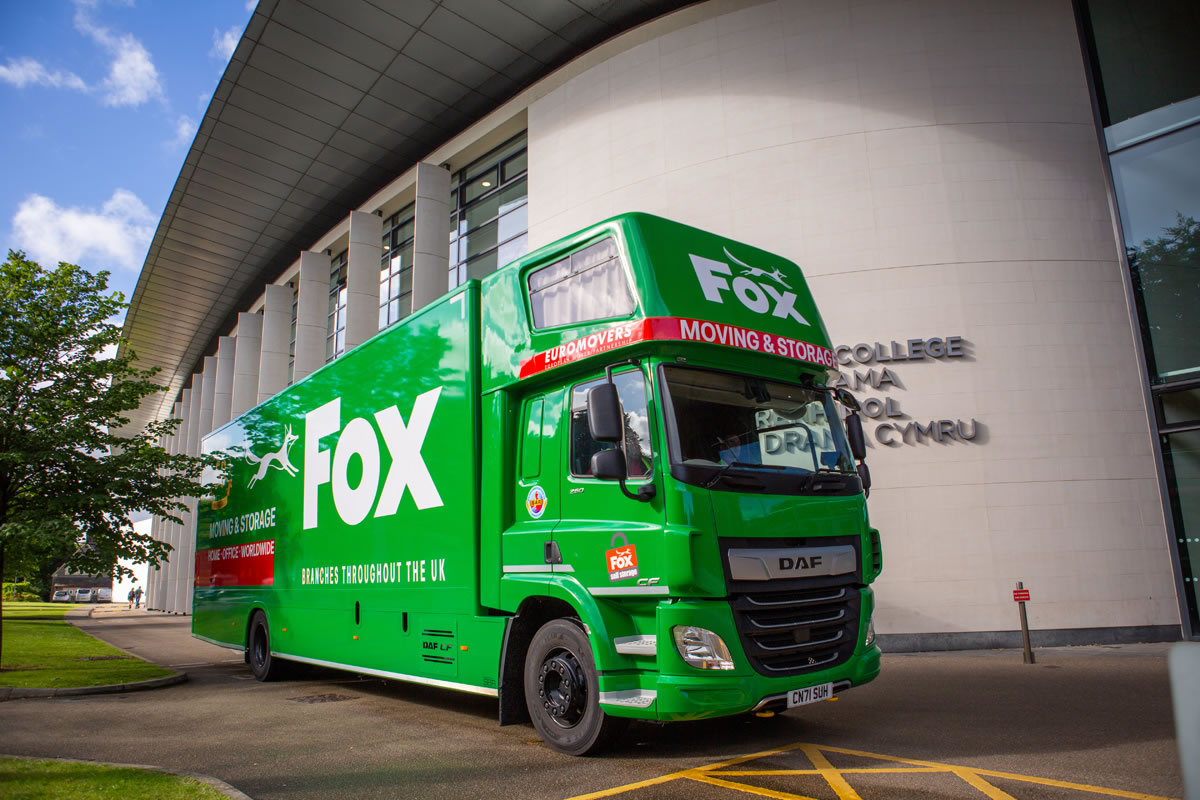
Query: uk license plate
{"x":810,"y":694}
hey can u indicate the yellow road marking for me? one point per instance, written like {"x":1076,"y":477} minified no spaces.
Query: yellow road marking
{"x":714,"y":774}
{"x":979,"y":783}
{"x":992,"y":773}
{"x":748,"y":789}
{"x":733,"y":773}
{"x":829,"y":773}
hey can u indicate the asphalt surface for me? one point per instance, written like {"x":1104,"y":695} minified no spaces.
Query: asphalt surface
{"x":946,"y":725}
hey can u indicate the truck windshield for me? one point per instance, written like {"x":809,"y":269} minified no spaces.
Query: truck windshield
{"x":729,"y":430}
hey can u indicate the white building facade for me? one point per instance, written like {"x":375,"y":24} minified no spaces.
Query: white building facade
{"x":941,"y":172}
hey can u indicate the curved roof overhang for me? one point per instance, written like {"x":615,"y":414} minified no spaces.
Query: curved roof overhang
{"x":324,"y":102}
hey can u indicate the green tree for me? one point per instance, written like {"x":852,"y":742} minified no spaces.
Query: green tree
{"x":72,"y":474}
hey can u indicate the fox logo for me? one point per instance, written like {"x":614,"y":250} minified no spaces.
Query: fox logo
{"x":779,"y":300}
{"x":278,"y":459}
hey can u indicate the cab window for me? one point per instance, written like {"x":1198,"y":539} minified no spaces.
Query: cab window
{"x":639,"y":450}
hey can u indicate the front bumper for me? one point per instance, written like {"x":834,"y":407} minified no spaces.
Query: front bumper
{"x":673,"y":690}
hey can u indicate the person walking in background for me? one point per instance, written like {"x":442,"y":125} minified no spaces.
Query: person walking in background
{"x":137,"y":598}
{"x":131,"y":598}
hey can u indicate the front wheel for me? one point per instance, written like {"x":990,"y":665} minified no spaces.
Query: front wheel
{"x":563,"y":694}
{"x":264,"y":666}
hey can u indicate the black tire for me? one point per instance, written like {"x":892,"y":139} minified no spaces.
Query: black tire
{"x":562,"y":692}
{"x":264,"y":666}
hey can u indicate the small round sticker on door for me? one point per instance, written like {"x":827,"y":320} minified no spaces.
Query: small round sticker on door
{"x":535,"y":502}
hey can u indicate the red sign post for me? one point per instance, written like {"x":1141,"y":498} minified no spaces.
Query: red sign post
{"x":1021,"y":596}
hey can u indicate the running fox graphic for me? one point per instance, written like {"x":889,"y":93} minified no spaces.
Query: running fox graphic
{"x":278,"y":459}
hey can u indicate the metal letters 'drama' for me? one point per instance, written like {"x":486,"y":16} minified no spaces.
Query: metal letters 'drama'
{"x":606,"y":482}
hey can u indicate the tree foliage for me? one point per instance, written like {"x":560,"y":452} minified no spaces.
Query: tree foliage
{"x":72,"y":474}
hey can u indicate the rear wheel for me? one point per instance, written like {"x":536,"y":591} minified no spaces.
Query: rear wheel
{"x":562,"y":691}
{"x":264,"y":666}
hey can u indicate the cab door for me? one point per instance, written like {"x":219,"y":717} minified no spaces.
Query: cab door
{"x":535,"y":503}
{"x":609,"y":541}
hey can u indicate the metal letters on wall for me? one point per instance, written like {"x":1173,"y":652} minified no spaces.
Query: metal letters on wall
{"x":891,"y":431}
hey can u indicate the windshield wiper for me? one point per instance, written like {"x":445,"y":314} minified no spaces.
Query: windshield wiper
{"x":711,"y":482}
{"x":825,"y":480}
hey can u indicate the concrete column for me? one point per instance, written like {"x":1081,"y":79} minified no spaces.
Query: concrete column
{"x":247,"y":350}
{"x":431,"y":233}
{"x":187,"y":543}
{"x":276,"y":333}
{"x":207,"y":398}
{"x":174,"y":564}
{"x":312,"y":314}
{"x":362,"y":278}
{"x":223,"y":390}
{"x":175,"y":534}
{"x":157,"y":527}
{"x":169,"y":530}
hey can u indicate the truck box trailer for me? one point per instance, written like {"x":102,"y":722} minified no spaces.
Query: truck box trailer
{"x":608,"y":481}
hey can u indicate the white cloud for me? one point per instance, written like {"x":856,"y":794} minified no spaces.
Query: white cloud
{"x":22,"y":72}
{"x":225,"y":42}
{"x":132,"y":77}
{"x":251,"y":5}
{"x":117,"y":235}
{"x":185,"y":131}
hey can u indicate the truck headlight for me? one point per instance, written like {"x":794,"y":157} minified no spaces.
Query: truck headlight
{"x":870,"y":640}
{"x":701,"y":648}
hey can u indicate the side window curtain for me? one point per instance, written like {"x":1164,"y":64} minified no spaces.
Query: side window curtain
{"x":639,"y":449}
{"x":586,"y":285}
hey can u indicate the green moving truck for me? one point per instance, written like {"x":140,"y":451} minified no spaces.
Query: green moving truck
{"x":606,"y":482}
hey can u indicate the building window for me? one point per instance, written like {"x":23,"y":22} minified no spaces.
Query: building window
{"x":396,"y":269}
{"x":1158,"y":192}
{"x":335,"y":336}
{"x":489,"y":216}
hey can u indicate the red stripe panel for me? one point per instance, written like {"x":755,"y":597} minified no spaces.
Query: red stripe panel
{"x":249,"y":564}
{"x":677,"y":329}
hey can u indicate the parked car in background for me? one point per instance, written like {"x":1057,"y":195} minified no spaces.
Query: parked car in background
{"x":103,"y":595}
{"x":84,"y":595}
{"x":61,"y":596}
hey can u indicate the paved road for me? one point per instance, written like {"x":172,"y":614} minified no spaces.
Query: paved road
{"x":932,"y":726}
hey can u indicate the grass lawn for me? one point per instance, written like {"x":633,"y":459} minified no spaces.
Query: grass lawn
{"x":51,"y":653}
{"x":14,"y":610}
{"x":25,"y":779}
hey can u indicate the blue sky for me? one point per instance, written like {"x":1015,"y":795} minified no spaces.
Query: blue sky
{"x":100,"y":101}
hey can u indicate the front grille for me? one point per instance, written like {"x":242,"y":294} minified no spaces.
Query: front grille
{"x":803,"y":630}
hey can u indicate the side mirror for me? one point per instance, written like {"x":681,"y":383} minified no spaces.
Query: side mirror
{"x":864,"y":475}
{"x":845,"y":398}
{"x":855,"y":436}
{"x":606,"y":418}
{"x":609,"y":465}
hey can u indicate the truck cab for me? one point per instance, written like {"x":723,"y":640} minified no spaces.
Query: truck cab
{"x":681,"y":476}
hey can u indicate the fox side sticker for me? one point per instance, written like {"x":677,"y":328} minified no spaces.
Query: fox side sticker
{"x":621,"y":561}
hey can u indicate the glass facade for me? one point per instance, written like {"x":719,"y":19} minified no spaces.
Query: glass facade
{"x":1158,"y":191}
{"x":489,"y":216}
{"x":335,"y":329}
{"x":1144,"y":69}
{"x":396,"y":269}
